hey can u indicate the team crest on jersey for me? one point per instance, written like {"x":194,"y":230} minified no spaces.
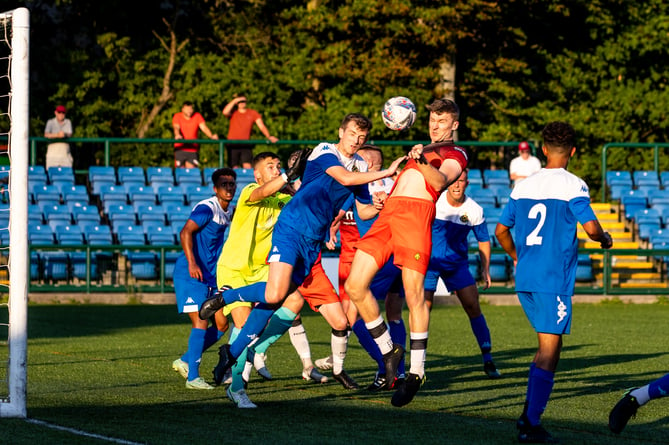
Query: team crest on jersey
{"x":464,"y":218}
{"x":417,"y":256}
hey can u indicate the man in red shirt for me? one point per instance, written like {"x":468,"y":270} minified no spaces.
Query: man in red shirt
{"x":242,"y":119}
{"x":187,"y":123}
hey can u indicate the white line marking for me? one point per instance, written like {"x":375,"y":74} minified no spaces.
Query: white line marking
{"x":81,"y":433}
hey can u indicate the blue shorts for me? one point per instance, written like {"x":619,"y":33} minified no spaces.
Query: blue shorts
{"x":547,"y":313}
{"x":289,"y":246}
{"x":388,"y":278}
{"x":190,"y":293}
{"x":455,"y":278}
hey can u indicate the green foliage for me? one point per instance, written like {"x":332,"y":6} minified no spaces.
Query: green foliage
{"x":518,"y":64}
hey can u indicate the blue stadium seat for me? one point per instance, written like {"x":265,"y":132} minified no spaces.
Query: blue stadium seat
{"x":46,"y":193}
{"x":131,"y":175}
{"x":191,"y":176}
{"x":35,"y":266}
{"x":150,"y":213}
{"x":646,"y":178}
{"x":499,"y":267}
{"x":475,"y":177}
{"x":79,"y":269}
{"x":40,"y":234}
{"x":113,"y":193}
{"x":647,"y":221}
{"x":496,"y":177}
{"x":656,"y":196}
{"x":619,"y":178}
{"x":37,"y":174}
{"x":98,"y":234}
{"x":56,"y":214}
{"x":158,"y":234}
{"x":130,"y":234}
{"x":160,"y":175}
{"x":664,"y":179}
{"x":55,"y":265}
{"x":74,"y":193}
{"x":474,"y":265}
{"x":584,"y":272}
{"x":195,"y":194}
{"x":170,"y":194}
{"x":122,"y":214}
{"x":170,"y":263}
{"x":493,"y":212}
{"x":632,"y":201}
{"x":101,"y":173}
{"x":69,"y":235}
{"x":484,"y":197}
{"x":206,"y":175}
{"x":141,"y":194}
{"x":143,"y":265}
{"x":35,"y":215}
{"x":84,"y":213}
{"x":617,"y":191}
{"x":61,"y":175}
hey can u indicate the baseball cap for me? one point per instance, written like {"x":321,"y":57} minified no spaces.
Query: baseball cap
{"x":523,"y":146}
{"x":60,"y":109}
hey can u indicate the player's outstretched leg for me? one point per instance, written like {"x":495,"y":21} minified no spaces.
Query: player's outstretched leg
{"x":624,"y":410}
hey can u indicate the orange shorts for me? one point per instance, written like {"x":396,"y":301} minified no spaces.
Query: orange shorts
{"x":403,"y":229}
{"x":317,"y":289}
{"x":344,"y":272}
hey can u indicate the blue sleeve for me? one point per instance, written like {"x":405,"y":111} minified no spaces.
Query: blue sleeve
{"x":481,"y":233}
{"x":362,"y":194}
{"x":508,"y":217}
{"x":326,"y":161}
{"x":348,"y":204}
{"x":201,"y":215}
{"x":581,"y":209}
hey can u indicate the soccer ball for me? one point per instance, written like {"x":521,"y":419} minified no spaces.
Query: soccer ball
{"x":399,"y":113}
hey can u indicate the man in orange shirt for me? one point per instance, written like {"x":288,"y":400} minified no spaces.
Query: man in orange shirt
{"x":187,"y":123}
{"x":242,"y":119}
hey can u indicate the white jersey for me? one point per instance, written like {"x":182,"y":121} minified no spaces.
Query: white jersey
{"x":524,"y":167}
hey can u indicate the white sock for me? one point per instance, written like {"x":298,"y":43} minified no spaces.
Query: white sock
{"x":384,"y":341}
{"x":339,"y":345}
{"x":418,"y":355}
{"x":641,"y":395}
{"x":298,"y":337}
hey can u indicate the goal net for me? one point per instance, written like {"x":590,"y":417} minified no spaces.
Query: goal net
{"x":14,"y":148}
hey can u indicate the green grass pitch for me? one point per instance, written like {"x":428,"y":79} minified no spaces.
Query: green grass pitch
{"x":106,"y":371}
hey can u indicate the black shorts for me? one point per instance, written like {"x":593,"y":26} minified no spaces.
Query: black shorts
{"x":239,"y":154}
{"x":183,"y":156}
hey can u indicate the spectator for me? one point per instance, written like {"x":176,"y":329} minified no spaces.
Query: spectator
{"x":524,"y":164}
{"x":187,"y":123}
{"x":59,"y":127}
{"x":241,"y":124}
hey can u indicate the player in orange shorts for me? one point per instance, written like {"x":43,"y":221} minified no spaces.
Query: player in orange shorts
{"x":404,"y":228}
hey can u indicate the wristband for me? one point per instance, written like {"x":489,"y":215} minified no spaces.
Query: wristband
{"x":285,"y":177}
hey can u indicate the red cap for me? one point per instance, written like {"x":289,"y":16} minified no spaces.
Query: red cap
{"x":523,"y":146}
{"x":60,"y":109}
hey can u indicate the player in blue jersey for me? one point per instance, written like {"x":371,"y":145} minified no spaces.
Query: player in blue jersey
{"x":333,"y":172}
{"x":634,"y":398}
{"x":351,"y":227}
{"x":195,"y":272}
{"x":457,"y":215}
{"x":544,"y":209}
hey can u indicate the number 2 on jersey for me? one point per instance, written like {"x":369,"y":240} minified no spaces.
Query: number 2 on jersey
{"x":537,"y":211}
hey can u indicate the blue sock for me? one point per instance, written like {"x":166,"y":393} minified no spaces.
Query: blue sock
{"x":367,"y":342}
{"x":234,"y":333}
{"x":278,"y":325}
{"x":254,"y":325}
{"x":398,"y":332}
{"x":482,"y":334}
{"x":659,"y":387}
{"x":194,"y":353}
{"x":211,"y":337}
{"x":539,"y":389}
{"x":253,"y":293}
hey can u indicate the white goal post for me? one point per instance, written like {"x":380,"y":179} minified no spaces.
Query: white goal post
{"x":15,"y":28}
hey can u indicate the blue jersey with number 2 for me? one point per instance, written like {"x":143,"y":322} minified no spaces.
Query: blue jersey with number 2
{"x":544,"y":209}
